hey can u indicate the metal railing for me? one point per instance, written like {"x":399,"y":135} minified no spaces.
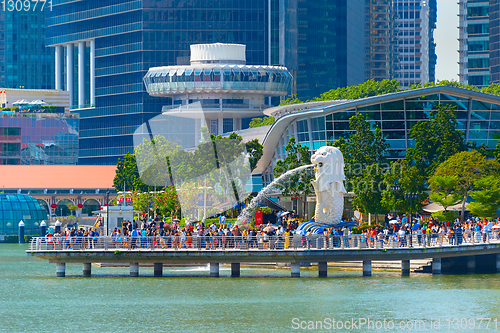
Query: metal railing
{"x":273,"y":243}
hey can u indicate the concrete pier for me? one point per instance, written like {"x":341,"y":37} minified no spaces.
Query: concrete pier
{"x":322,"y":269}
{"x":367,"y":268}
{"x":450,"y":257}
{"x":405,"y":267}
{"x":61,"y":269}
{"x":158,"y":269}
{"x":235,"y":269}
{"x":436,"y":266}
{"x":214,"y":269}
{"x":87,"y":269}
{"x":471,"y":264}
{"x":295,"y":266}
{"x":134,"y":269}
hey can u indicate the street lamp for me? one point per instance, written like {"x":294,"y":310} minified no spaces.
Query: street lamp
{"x":411,"y":196}
{"x":107,"y":212}
{"x":395,"y":189}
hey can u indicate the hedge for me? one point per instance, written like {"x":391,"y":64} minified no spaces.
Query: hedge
{"x":15,"y":238}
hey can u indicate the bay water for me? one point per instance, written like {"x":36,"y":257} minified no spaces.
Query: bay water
{"x":186,"y":299}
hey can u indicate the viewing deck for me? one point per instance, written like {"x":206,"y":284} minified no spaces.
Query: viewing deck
{"x":235,"y":250}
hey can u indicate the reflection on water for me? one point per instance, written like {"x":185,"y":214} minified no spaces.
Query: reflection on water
{"x":186,"y":299}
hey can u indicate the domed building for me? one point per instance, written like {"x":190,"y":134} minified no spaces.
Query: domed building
{"x":217,"y":90}
{"x":17,"y":207}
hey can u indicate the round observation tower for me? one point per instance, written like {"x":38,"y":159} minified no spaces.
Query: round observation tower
{"x":218,"y":88}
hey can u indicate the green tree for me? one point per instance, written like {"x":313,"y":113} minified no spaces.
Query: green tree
{"x":166,"y":202}
{"x":443,"y":192}
{"x":257,"y":122}
{"x":365,"y":158}
{"x":299,"y":183}
{"x":292,"y":99}
{"x":73,"y":208}
{"x":219,"y":162}
{"x":127,"y":176}
{"x":255,"y":151}
{"x":364,"y":147}
{"x":497,"y":151}
{"x":493,"y":89}
{"x":436,"y":139}
{"x":486,"y":196}
{"x":366,"y":89}
{"x":410,"y":179}
{"x":468,"y":167}
{"x":448,"y":83}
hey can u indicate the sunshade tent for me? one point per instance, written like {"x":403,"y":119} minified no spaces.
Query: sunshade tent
{"x":435,"y":207}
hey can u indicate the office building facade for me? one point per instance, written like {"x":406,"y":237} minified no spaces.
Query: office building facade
{"x":415,"y":23}
{"x":400,"y":40}
{"x":474,"y":42}
{"x":494,"y":41}
{"x":25,"y":62}
{"x":118,"y":41}
{"x":38,"y":138}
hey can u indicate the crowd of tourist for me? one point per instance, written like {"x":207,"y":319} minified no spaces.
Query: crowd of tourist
{"x":397,"y":231}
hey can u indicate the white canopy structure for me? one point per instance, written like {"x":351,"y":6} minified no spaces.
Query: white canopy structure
{"x":435,"y":207}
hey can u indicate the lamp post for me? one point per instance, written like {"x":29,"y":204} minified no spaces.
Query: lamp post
{"x":205,"y":188}
{"x":395,"y":189}
{"x":411,"y":196}
{"x":107,"y":212}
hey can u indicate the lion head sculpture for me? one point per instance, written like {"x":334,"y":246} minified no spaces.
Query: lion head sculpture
{"x":329,"y":167}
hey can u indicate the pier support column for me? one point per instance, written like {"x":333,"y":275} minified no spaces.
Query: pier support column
{"x":367,"y":268}
{"x":214,"y":269}
{"x":405,"y":267}
{"x":295,"y":269}
{"x":61,"y":269}
{"x":498,"y":262}
{"x":322,"y":269}
{"x":158,"y":269}
{"x":87,"y":269}
{"x":471,"y":264}
{"x":134,"y":269}
{"x":235,"y":269}
{"x":436,"y":266}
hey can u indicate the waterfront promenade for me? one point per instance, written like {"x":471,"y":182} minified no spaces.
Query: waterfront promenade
{"x":235,"y":250}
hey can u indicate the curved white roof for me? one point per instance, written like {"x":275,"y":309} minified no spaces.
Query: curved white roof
{"x":289,"y":113}
{"x":218,"y":52}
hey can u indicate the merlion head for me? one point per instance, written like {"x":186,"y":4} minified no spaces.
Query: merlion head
{"x":329,"y":167}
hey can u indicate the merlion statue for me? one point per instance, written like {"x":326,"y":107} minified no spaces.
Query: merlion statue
{"x":329,"y":184}
{"x":329,"y":187}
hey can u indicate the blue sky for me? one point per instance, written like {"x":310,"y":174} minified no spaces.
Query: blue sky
{"x":446,"y":37}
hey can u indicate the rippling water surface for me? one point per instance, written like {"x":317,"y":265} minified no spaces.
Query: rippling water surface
{"x":262,"y":300}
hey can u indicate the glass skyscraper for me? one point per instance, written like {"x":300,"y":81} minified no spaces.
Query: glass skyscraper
{"x":38,"y":138}
{"x":474,"y":43}
{"x":117,"y":41}
{"x":494,"y":41}
{"x":103,"y":49}
{"x":320,"y":42}
{"x":330,"y":47}
{"x":25,"y":62}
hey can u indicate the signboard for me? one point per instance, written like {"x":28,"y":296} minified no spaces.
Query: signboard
{"x":127,"y":200}
{"x":258,"y":217}
{"x":311,"y":199}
